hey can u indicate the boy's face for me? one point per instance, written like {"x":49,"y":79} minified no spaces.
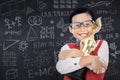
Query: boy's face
{"x":82,"y":31}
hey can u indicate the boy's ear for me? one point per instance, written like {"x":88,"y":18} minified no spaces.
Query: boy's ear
{"x":71,"y":30}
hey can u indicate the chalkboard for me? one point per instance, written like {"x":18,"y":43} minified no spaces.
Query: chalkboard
{"x":33,"y":31}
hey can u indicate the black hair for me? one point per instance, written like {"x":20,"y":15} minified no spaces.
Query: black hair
{"x":81,"y":10}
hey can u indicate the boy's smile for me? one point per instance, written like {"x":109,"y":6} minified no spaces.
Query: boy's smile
{"x":83,"y":34}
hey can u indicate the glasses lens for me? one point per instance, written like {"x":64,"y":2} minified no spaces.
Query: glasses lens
{"x":87,"y":23}
{"x":75,"y":25}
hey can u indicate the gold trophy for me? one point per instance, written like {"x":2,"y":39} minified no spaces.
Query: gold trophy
{"x":87,"y":45}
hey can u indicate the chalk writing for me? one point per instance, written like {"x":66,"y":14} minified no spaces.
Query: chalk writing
{"x":107,"y":24}
{"x":13,"y":32}
{"x":108,"y":36}
{"x":47,"y":32}
{"x":107,"y":11}
{"x":43,"y":44}
{"x":41,"y":72}
{"x":55,"y":13}
{"x":114,"y":35}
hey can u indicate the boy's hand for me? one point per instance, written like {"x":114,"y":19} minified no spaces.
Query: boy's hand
{"x":97,"y":65}
{"x":94,"y":62}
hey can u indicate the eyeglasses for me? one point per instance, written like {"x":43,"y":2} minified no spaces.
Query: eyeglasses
{"x":87,"y":23}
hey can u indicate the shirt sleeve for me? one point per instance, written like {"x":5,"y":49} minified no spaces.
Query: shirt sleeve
{"x":103,"y":54}
{"x":68,"y":65}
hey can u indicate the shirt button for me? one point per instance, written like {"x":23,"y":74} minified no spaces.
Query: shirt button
{"x":75,"y":63}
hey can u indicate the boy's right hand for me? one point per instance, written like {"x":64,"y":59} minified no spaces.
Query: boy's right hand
{"x":97,"y":65}
{"x":94,"y":62}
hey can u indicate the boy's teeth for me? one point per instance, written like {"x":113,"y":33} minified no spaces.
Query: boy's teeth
{"x":83,"y":35}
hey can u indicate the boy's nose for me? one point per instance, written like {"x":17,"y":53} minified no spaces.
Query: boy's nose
{"x":82,"y":28}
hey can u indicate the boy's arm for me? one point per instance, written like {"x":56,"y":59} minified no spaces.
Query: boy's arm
{"x":66,"y":62}
{"x":71,"y":64}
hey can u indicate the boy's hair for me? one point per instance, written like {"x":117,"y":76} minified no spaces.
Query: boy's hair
{"x":81,"y":10}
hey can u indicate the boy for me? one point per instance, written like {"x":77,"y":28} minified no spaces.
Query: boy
{"x":72,"y":58}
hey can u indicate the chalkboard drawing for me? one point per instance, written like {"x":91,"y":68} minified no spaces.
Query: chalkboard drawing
{"x":34,"y":20}
{"x":7,"y":23}
{"x":31,"y":36}
{"x":65,"y":3}
{"x":10,"y":6}
{"x":41,"y":5}
{"x":29,"y":10}
{"x":51,"y":21}
{"x":13,"y":23}
{"x":116,"y":52}
{"x":23,"y":45}
{"x":9,"y":43}
{"x":61,"y":25}
{"x":9,"y":58}
{"x":89,"y":44}
{"x":93,"y":4}
{"x":11,"y":74}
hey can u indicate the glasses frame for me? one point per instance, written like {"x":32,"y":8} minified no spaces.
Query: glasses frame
{"x":81,"y":23}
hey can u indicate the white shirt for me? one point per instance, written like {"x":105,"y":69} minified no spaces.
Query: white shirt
{"x":72,"y":64}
